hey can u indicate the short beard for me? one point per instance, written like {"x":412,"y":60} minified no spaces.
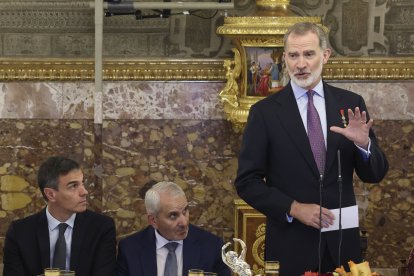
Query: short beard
{"x":306,"y":83}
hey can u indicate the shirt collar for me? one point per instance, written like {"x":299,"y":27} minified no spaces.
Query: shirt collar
{"x":299,"y":91}
{"x":53,"y":223}
{"x":161,"y":241}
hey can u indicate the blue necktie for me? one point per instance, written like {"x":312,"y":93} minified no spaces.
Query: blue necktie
{"x":315,"y":134}
{"x":171,"y":262}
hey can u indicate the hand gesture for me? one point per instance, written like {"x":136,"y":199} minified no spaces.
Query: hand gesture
{"x":358,"y":128}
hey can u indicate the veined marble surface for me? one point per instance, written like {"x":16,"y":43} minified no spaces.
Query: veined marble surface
{"x":169,"y":100}
{"x":177,"y":131}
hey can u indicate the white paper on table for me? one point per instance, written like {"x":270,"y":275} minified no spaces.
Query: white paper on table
{"x":349,"y":218}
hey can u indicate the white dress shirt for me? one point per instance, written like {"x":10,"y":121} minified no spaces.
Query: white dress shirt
{"x":162,"y":253}
{"x":54,"y":234}
{"x":318,"y":102}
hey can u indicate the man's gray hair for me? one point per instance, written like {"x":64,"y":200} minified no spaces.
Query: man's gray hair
{"x":302,"y":28}
{"x":152,"y":196}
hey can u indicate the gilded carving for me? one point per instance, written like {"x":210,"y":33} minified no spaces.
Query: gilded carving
{"x":230,"y":92}
{"x":271,"y":41}
{"x":259,"y":245}
{"x":272,"y":3}
{"x":254,"y":25}
{"x":250,"y":226}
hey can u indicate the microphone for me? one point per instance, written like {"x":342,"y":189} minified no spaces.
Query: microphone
{"x":340,"y":206}
{"x":320,"y":224}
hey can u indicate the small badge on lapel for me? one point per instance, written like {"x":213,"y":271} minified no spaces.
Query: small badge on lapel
{"x":343,"y":118}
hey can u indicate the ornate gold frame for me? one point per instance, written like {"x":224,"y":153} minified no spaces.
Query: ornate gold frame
{"x":362,"y":69}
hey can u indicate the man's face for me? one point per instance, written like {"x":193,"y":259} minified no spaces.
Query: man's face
{"x":173,"y":218}
{"x":304,"y":59}
{"x":69,"y":198}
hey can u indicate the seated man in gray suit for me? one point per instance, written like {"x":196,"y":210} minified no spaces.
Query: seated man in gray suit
{"x":145,"y":253}
{"x":64,"y":234}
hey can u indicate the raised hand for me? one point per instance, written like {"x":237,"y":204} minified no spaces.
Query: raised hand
{"x":358,"y":128}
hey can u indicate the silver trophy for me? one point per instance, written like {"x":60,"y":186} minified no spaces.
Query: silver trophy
{"x":236,"y":263}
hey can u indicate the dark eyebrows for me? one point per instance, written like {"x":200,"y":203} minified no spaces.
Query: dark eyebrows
{"x":176,"y":212}
{"x":71,"y":183}
{"x":310,"y":52}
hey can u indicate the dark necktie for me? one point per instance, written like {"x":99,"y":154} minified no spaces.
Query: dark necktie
{"x":171,"y":262}
{"x":59,"y":257}
{"x":315,"y":134}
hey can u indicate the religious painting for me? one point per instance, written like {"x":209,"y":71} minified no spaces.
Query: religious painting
{"x":265,"y":72}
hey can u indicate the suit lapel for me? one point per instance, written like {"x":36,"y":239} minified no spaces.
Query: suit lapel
{"x":191,"y":252}
{"x":77,"y":240}
{"x":43,"y":238}
{"x":333,"y":103}
{"x":288,"y":112}
{"x":148,"y":254}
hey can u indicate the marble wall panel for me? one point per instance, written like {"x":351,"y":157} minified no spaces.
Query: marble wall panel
{"x":170,"y":100}
{"x":162,"y":100}
{"x":385,"y":100}
{"x":30,"y":100}
{"x":389,"y":217}
{"x":199,"y":155}
{"x":42,"y":100}
{"x":77,"y":100}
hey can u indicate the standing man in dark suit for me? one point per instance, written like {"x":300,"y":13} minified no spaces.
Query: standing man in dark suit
{"x":145,"y":253}
{"x":88,"y":239}
{"x":278,"y":174}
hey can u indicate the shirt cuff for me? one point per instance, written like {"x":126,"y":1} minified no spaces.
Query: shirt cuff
{"x":365,"y":153}
{"x":289,"y":218}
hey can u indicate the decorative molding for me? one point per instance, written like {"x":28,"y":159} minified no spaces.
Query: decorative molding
{"x":114,"y":70}
{"x":272,"y":3}
{"x":383,"y":68}
{"x":256,"y":25}
{"x":366,"y":69}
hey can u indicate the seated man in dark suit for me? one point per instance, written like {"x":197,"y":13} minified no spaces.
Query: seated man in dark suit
{"x":64,"y":234}
{"x":145,"y":253}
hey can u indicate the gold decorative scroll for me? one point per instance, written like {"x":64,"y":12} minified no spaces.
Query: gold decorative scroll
{"x":343,"y":68}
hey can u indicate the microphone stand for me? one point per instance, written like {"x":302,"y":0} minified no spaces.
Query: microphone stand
{"x":320,"y":224}
{"x":340,"y":207}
